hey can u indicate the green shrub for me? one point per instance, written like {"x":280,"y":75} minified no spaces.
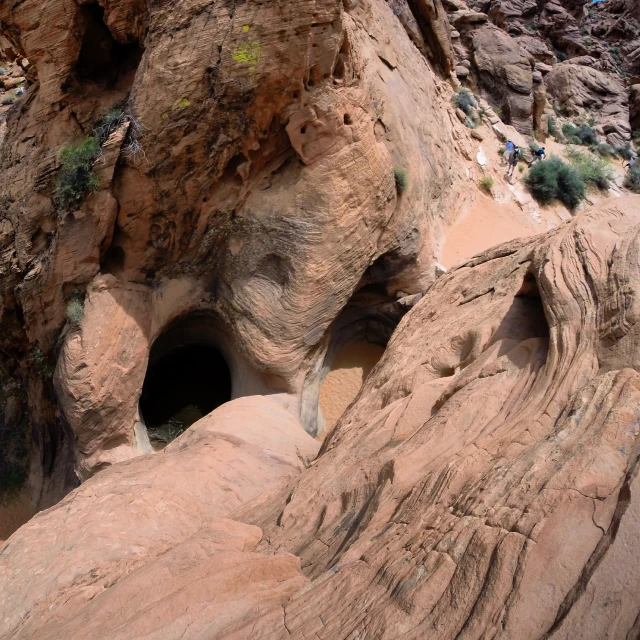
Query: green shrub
{"x":3,"y":71}
{"x":632,"y":179}
{"x":625,"y":151}
{"x":109,"y":124}
{"x":465,"y":101}
{"x":76,"y":178}
{"x":521,"y":168}
{"x":470,"y":123}
{"x":75,"y":311}
{"x":487,"y":183}
{"x":587,"y":135}
{"x":9,"y":98}
{"x":584,"y":134}
{"x":552,"y":126}
{"x":534,"y":146}
{"x":592,"y":170}
{"x":603,"y":149}
{"x":553,"y":179}
{"x":402,"y":179}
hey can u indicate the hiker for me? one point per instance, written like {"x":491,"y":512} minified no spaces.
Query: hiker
{"x":539,"y":154}
{"x":513,"y":161}
{"x":632,"y":161}
{"x":509,"y":148}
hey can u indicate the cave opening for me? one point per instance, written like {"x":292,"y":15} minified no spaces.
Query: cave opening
{"x":187,"y":378}
{"x":102,"y":59}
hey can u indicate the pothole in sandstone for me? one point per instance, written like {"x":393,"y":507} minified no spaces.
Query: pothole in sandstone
{"x":187,"y":378}
{"x":346,"y":376}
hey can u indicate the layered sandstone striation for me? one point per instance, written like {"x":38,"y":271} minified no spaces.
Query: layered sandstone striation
{"x":483,"y":484}
{"x":168,"y":515}
{"x":252,"y":181}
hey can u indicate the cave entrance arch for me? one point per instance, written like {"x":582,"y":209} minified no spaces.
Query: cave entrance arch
{"x":187,"y":377}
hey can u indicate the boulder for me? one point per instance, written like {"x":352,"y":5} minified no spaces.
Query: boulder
{"x":562,"y":29}
{"x":505,"y":73}
{"x":155,"y":526}
{"x":536,"y":47}
{"x":579,"y":89}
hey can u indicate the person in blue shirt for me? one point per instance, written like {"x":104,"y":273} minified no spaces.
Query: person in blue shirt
{"x":509,"y":149}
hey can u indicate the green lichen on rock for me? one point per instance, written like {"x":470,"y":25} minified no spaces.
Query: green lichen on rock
{"x":181,"y":103}
{"x":248,"y":53}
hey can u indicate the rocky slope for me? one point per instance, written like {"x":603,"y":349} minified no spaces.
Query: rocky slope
{"x":271,"y":185}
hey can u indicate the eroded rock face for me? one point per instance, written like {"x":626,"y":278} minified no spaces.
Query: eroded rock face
{"x":580,"y":89}
{"x":486,"y":481}
{"x":167,"y":513}
{"x":483,"y":484}
{"x":265,"y":185}
{"x":505,"y":71}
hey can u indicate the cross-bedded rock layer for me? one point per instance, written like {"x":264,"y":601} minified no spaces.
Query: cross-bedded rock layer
{"x":484,"y":484}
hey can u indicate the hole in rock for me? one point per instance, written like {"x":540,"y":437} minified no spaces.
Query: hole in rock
{"x":187,"y":378}
{"x":103,"y":59}
{"x":231,"y":170}
{"x":346,"y":376}
{"x":527,"y":312}
{"x":113,"y":262}
{"x":347,"y":119}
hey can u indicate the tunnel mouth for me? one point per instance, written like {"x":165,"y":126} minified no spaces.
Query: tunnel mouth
{"x":187,"y":378}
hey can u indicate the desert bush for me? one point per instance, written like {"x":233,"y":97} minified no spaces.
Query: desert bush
{"x":9,"y":98}
{"x":552,"y":127}
{"x":134,"y":151}
{"x":587,"y":135}
{"x":603,"y":149}
{"x":465,"y":101}
{"x":497,"y":110}
{"x":584,"y":134}
{"x":534,"y":146}
{"x":3,"y":71}
{"x":77,"y":178}
{"x":402,"y":179}
{"x":75,"y":307}
{"x":487,"y":183}
{"x":470,"y":123}
{"x":632,"y":179}
{"x":625,"y":151}
{"x":553,"y":179}
{"x":109,"y":124}
{"x":593,"y":170}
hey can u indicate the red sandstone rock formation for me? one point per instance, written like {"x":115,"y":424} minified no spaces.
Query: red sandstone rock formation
{"x":484,"y":484}
{"x":276,"y":185}
{"x":264,"y":197}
